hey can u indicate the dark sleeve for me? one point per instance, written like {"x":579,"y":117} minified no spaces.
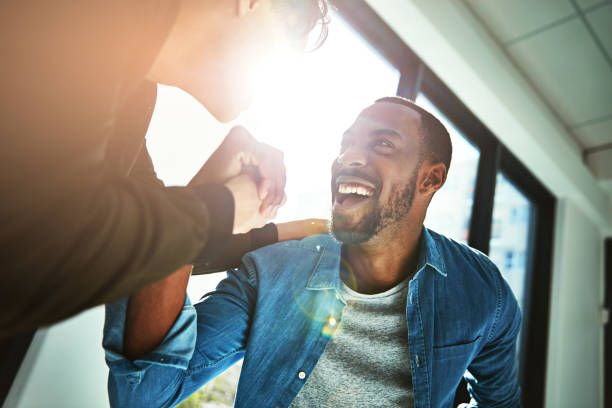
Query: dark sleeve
{"x":75,"y":230}
{"x":230,"y":254}
{"x":84,"y":237}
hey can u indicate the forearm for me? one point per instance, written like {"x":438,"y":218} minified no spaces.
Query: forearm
{"x":240,"y":244}
{"x":235,"y":248}
{"x":100,"y":245}
{"x":152,"y":311}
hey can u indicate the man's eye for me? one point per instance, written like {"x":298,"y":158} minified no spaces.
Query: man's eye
{"x":384,"y":143}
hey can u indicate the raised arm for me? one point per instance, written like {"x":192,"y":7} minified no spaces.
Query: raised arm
{"x":238,"y":245}
{"x":169,"y":373}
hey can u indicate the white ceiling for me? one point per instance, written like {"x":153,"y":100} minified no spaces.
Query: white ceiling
{"x":564,"y":49}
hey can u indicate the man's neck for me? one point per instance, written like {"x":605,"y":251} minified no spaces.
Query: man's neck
{"x":384,"y":261}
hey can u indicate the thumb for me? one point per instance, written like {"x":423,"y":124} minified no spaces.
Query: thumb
{"x":264,"y":189}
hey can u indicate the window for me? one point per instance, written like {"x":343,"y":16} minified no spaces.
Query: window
{"x":510,"y":234}
{"x":450,"y":211}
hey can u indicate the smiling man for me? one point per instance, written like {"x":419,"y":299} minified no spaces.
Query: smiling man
{"x":382,"y":313}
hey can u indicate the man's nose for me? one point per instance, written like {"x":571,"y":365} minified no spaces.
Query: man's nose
{"x":353,"y":157}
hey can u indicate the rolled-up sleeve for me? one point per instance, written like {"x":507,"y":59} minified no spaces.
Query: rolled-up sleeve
{"x":206,"y":339}
{"x":176,"y":350}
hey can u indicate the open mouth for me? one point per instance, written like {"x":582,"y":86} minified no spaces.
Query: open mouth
{"x":352,"y":192}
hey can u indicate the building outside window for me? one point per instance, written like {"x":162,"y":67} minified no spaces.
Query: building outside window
{"x":510,"y":234}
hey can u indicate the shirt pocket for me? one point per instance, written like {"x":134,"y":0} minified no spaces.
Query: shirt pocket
{"x":455,"y":351}
{"x":449,"y":364}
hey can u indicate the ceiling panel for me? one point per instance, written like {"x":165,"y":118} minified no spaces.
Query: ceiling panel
{"x":511,"y":19}
{"x":606,"y":185}
{"x":599,"y":162}
{"x":601,"y":20}
{"x":595,"y":134}
{"x":585,"y":4}
{"x":567,"y":68}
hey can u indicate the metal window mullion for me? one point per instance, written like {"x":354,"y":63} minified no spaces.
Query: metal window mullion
{"x":484,"y":196}
{"x":410,"y":81}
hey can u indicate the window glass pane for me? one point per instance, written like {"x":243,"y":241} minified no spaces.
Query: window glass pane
{"x":510,"y":234}
{"x":304,"y":111}
{"x":450,"y":210}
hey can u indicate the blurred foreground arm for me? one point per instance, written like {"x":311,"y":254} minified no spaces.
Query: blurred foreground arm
{"x":240,"y":244}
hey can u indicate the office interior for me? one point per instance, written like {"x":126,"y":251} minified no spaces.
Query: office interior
{"x":525,"y":89}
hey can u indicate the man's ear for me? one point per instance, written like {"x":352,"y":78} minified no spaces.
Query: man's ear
{"x":434,"y":179}
{"x":246,"y":6}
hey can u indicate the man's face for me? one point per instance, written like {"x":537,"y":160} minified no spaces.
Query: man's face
{"x":249,"y":49}
{"x":374,"y":177}
{"x":241,"y":60}
{"x":221,"y":54}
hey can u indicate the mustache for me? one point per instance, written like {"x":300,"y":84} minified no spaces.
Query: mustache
{"x":356,"y":172}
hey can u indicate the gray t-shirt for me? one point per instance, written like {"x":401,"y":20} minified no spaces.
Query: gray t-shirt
{"x":367,"y":362}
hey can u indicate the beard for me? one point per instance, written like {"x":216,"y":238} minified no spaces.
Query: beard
{"x":377,"y":218}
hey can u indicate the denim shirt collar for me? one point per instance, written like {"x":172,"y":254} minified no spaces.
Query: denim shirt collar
{"x":325,"y":273}
{"x":429,"y":254}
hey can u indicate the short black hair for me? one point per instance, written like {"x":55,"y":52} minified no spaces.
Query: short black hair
{"x":302,"y":16}
{"x":436,"y":140}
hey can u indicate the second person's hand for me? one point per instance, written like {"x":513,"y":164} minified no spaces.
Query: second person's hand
{"x":247,"y":204}
{"x":238,"y":151}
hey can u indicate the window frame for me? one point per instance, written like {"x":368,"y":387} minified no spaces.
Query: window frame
{"x":608,"y":325}
{"x":417,"y":78}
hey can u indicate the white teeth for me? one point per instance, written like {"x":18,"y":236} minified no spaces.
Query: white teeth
{"x":349,"y":189}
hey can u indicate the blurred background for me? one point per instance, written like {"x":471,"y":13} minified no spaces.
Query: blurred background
{"x":525,"y":89}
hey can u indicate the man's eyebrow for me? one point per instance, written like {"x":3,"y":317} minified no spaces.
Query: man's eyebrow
{"x":388,"y":132}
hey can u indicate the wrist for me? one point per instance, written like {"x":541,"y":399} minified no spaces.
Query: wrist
{"x":301,"y":229}
{"x":220,"y":204}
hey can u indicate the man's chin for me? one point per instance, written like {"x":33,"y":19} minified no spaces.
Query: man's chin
{"x":349,"y":237}
{"x":350,"y":234}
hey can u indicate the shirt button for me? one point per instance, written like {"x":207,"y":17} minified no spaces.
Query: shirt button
{"x":332,"y":321}
{"x":318,"y":248}
{"x":301,"y":375}
{"x":416,"y":361}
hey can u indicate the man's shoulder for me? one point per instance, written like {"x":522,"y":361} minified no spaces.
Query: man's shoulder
{"x":471,"y":273}
{"x":302,"y":254}
{"x":460,"y":257}
{"x":311,"y":244}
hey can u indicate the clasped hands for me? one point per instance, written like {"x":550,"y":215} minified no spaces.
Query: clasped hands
{"x":255,"y":174}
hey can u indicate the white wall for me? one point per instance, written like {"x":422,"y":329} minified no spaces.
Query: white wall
{"x":574,"y":373}
{"x":64,"y":367}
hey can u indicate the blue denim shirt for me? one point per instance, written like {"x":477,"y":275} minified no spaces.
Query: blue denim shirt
{"x":275,"y":313}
